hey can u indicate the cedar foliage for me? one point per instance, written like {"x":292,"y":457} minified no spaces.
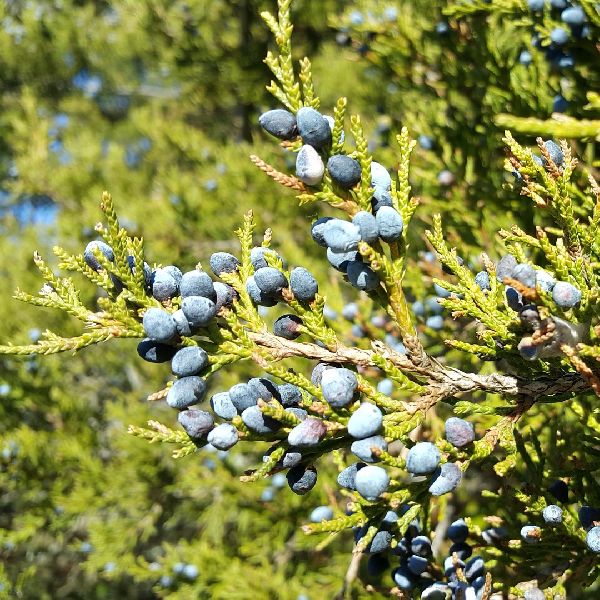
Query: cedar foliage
{"x":69,"y":474}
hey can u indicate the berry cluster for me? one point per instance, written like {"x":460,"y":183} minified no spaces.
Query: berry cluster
{"x":464,"y":574}
{"x":181,"y":570}
{"x":200,"y":300}
{"x":242,"y":399}
{"x":552,"y":516}
{"x":559,"y":39}
{"x":341,"y":238}
{"x":200,"y":303}
{"x":245,"y":404}
{"x":549,"y":333}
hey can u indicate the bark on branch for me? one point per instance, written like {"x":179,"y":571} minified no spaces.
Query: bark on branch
{"x":443,"y":381}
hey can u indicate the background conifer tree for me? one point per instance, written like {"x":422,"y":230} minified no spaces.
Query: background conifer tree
{"x":159,"y":103}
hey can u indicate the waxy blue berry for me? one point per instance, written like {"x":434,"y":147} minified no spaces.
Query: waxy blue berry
{"x":197,"y":423}
{"x":223,"y":262}
{"x":458,"y":531}
{"x":257,"y":295}
{"x":198,"y":310}
{"x":525,"y":274}
{"x":559,"y":36}
{"x":287,"y":326}
{"x":555,"y":152}
{"x":565,"y":295}
{"x":189,"y":361}
{"x":223,"y":436}
{"x":347,"y":477}
{"x":259,"y":254}
{"x":531,"y":534}
{"x":363,"y":449}
{"x":361,"y":276}
{"x":159,"y":325}
{"x":338,"y":386}
{"x":592,"y":539}
{"x":256,"y":421}
{"x":182,"y":324}
{"x":552,"y":514}
{"x":309,"y":166}
{"x":223,"y":406}
{"x":242,"y":396}
{"x":371,"y":481}
{"x":186,"y":392}
{"x":197,"y":283}
{"x":308,"y":433}
{"x":302,"y":479}
{"x":459,"y":432}
{"x":280,"y":123}
{"x":505,"y":267}
{"x":380,"y":176}
{"x":344,"y":171}
{"x":367,"y":226}
{"x":290,"y":395}
{"x":155,"y":352}
{"x":225,"y":294}
{"x":365,"y":421}
{"x":389,"y":223}
{"x":482,"y":279}
{"x":341,"y":236}
{"x":316,"y":231}
{"x":422,"y":458}
{"x":164,"y":285}
{"x":573,"y":16}
{"x":100,"y":247}
{"x":303,"y":285}
{"x":270,"y":281}
{"x":313,"y":128}
{"x":321,"y":513}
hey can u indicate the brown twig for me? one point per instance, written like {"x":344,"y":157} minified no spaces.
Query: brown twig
{"x":349,"y":578}
{"x":286,"y":180}
{"x":487,"y":589}
{"x":550,"y":164}
{"x":544,"y":334}
{"x":443,"y":382}
{"x":530,"y":294}
{"x":160,"y":395}
{"x":582,"y":368}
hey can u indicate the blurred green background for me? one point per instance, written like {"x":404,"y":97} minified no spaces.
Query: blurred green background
{"x":157,"y":101}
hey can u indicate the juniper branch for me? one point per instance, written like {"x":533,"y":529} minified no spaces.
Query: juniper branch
{"x":443,"y":382}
